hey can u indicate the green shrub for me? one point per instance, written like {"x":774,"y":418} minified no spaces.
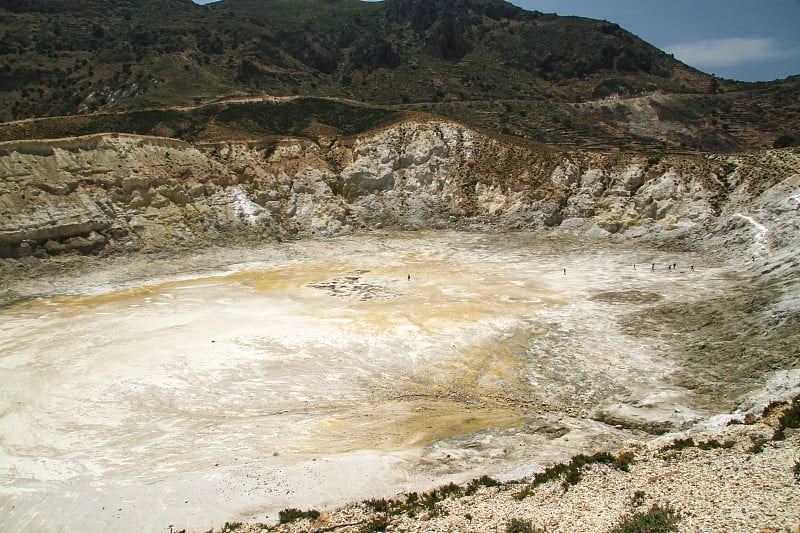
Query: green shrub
{"x":681,"y":444}
{"x":291,"y":515}
{"x":517,"y":525}
{"x":571,"y":477}
{"x":373,"y":526}
{"x":784,"y":141}
{"x":483,"y":481}
{"x":678,"y":445}
{"x":380,"y":506}
{"x":412,"y":498}
{"x":415,"y":503}
{"x":429,"y":501}
{"x":655,"y":520}
{"x":624,"y":461}
{"x":571,"y":471}
{"x":525,"y":492}
{"x":451,"y":489}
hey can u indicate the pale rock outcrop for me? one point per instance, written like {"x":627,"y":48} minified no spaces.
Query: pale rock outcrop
{"x":593,"y":181}
{"x":149,"y":192}
{"x":565,"y":176}
{"x":632,"y":178}
{"x":372,"y":171}
{"x":665,"y":187}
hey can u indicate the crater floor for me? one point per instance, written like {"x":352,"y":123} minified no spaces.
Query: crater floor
{"x":239,"y":382}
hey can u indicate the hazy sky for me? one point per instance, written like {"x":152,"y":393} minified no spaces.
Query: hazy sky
{"x":739,"y":39}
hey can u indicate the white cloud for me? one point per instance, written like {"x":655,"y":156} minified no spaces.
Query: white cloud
{"x":729,"y":52}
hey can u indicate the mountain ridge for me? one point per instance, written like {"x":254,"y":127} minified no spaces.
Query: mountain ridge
{"x":487,"y":63}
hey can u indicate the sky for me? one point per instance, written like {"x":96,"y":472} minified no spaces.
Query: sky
{"x":745,"y":40}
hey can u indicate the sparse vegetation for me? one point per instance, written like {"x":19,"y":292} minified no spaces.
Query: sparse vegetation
{"x":296,"y":118}
{"x":374,"y":525}
{"x":713,"y":444}
{"x":413,"y":504}
{"x":517,"y":525}
{"x":571,"y":472}
{"x":680,"y":444}
{"x":785,"y":141}
{"x":292,"y":515}
{"x":380,"y":505}
{"x":483,"y":481}
{"x":638,"y":498}
{"x":624,"y":461}
{"x":500,"y":67}
{"x":657,"y":519}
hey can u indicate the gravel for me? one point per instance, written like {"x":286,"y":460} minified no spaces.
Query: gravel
{"x":724,"y":482}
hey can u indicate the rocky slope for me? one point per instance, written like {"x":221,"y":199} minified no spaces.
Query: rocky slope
{"x":106,"y":193}
{"x":734,"y":479}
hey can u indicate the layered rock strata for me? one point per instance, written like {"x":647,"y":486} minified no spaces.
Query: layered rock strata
{"x":111,"y":192}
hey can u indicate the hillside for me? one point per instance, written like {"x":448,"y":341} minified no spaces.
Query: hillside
{"x":561,"y":80}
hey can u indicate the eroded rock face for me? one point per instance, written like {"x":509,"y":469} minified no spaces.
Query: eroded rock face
{"x":86,"y":194}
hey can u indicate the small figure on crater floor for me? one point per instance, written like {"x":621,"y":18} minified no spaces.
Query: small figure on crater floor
{"x":634,"y":266}
{"x":653,"y":266}
{"x":691,"y":268}
{"x":565,"y":271}
{"x":409,"y":277}
{"x":674,"y":266}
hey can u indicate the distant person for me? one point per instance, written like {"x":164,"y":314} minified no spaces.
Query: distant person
{"x":691,"y":268}
{"x":674,"y":266}
{"x":409,"y":277}
{"x":565,"y":271}
{"x":653,"y":266}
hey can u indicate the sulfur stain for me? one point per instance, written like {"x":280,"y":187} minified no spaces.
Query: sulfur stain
{"x":483,"y":320}
{"x":481,"y":388}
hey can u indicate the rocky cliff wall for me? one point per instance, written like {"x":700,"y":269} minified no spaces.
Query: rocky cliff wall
{"x":112,"y":192}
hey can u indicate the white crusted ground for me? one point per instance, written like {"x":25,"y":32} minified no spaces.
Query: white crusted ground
{"x":236,"y":383}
